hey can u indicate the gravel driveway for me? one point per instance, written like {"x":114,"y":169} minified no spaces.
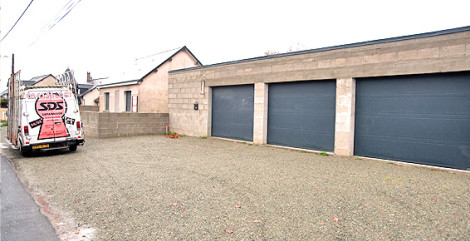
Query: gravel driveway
{"x":154,"y":188}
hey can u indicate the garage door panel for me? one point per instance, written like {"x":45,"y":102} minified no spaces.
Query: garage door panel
{"x":276,"y":121}
{"x":238,"y":132}
{"x":421,"y":119}
{"x":417,"y":105}
{"x":302,"y":139}
{"x":232,"y":104}
{"x":302,"y":114}
{"x":435,"y":153}
{"x":409,"y":85}
{"x":415,"y":127}
{"x":321,"y":105}
{"x":313,"y":122}
{"x":232,"y":112}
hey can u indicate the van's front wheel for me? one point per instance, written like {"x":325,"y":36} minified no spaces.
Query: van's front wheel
{"x":73,"y":147}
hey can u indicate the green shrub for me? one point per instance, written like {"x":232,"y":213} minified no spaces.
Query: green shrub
{"x":4,"y":103}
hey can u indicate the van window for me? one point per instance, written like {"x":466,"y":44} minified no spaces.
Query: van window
{"x":106,"y":101}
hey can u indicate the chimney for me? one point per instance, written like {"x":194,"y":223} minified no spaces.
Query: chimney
{"x":89,"y":79}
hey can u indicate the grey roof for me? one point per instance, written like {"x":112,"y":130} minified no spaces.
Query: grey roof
{"x":35,"y":80}
{"x":28,"y":82}
{"x":358,"y":44}
{"x":84,"y":88}
{"x":121,"y":83}
{"x":181,"y":49}
{"x":39,"y":78}
{"x":85,"y":85}
{"x":88,"y":91}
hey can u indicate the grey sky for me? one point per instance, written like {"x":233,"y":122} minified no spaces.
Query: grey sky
{"x":105,"y":36}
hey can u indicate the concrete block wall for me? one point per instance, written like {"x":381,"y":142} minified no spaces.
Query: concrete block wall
{"x":182,"y":95}
{"x":446,"y":52}
{"x":89,"y":108}
{"x":260,"y":125}
{"x":90,"y":123}
{"x":345,"y":110}
{"x":108,"y":125}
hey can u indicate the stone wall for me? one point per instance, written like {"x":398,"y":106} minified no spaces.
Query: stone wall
{"x":90,"y":123}
{"x":433,"y":53}
{"x":109,"y":125}
{"x":89,"y":108}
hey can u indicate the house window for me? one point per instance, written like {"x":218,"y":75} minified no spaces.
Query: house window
{"x":128,"y":100}
{"x":106,"y":101}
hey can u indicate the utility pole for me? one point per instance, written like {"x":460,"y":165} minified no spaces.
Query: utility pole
{"x":12,"y":64}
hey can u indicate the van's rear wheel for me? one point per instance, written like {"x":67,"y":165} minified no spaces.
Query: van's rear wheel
{"x":73,"y":147}
{"x":23,"y":151}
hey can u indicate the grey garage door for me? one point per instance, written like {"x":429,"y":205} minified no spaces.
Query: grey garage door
{"x":302,"y":114}
{"x":422,"y":119}
{"x":232,"y":112}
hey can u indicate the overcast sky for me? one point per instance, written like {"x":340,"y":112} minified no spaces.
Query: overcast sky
{"x":105,"y":36}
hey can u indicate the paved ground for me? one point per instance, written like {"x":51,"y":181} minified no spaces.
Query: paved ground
{"x":154,"y":188}
{"x":21,"y":218}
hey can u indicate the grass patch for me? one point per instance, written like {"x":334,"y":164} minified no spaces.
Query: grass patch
{"x":357,"y":159}
{"x":302,"y":151}
{"x":322,"y":154}
{"x":244,"y":142}
{"x":4,"y":123}
{"x":203,"y":137}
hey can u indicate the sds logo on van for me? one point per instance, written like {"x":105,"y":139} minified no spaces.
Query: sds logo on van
{"x":51,"y":106}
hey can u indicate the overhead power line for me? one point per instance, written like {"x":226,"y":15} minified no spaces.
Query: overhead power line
{"x":148,"y":56}
{"x":67,"y":8}
{"x":17,"y":21}
{"x":61,"y":14}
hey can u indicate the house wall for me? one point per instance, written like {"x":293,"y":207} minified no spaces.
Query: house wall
{"x":434,"y":54}
{"x":152,"y":92}
{"x":3,"y":114}
{"x":112,"y":97}
{"x":49,"y":80}
{"x":154,"y":88}
{"x":89,"y":98}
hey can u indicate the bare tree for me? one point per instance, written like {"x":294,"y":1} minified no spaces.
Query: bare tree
{"x":292,"y":48}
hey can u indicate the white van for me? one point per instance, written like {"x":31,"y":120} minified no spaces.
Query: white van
{"x":47,"y":119}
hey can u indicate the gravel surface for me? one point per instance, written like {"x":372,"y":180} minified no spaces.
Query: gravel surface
{"x":154,"y":188}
